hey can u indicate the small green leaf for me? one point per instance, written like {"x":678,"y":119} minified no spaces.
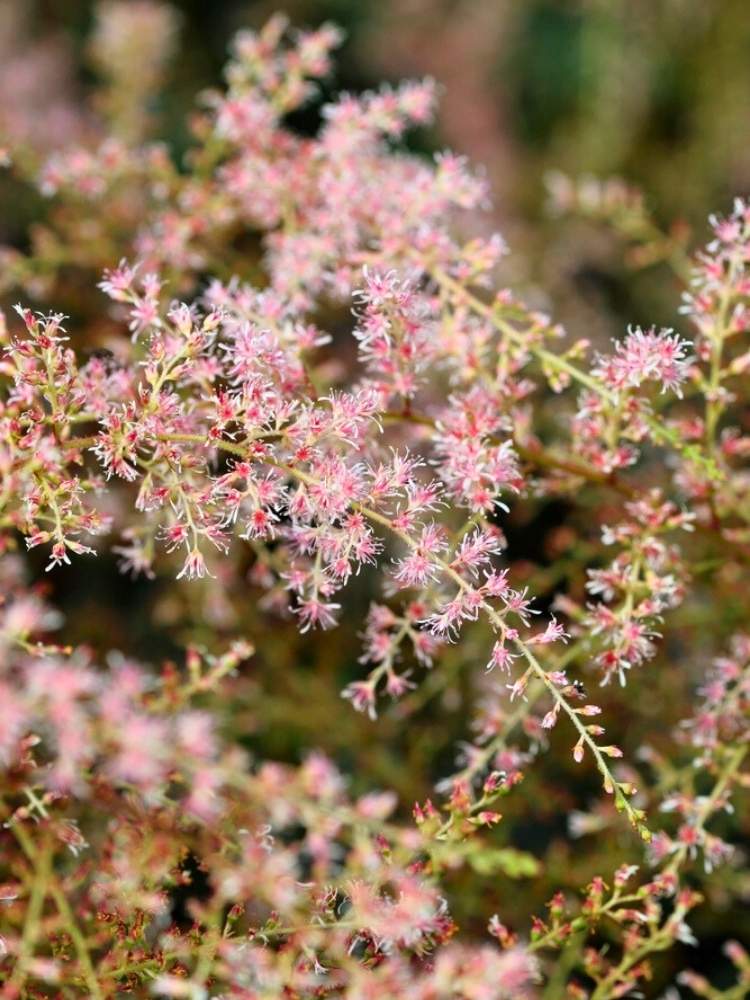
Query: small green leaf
{"x":508,"y":860}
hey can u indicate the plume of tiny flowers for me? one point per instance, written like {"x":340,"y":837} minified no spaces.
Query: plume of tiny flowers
{"x":659,"y":356}
{"x":645,"y":579}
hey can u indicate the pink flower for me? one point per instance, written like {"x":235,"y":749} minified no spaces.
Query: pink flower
{"x":313,"y":612}
{"x":646,"y":356}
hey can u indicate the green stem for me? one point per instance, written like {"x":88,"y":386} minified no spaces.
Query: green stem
{"x":32,"y":925}
{"x":65,"y":911}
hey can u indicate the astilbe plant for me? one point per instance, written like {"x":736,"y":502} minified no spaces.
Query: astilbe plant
{"x":225,"y":422}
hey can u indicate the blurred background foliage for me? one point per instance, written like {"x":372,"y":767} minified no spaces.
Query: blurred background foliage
{"x":654,"y":91}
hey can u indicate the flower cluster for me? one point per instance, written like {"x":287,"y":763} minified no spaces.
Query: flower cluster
{"x":304,"y":392}
{"x":645,"y":576}
{"x":75,"y":737}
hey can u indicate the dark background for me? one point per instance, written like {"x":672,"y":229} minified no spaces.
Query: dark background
{"x":654,"y":91}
